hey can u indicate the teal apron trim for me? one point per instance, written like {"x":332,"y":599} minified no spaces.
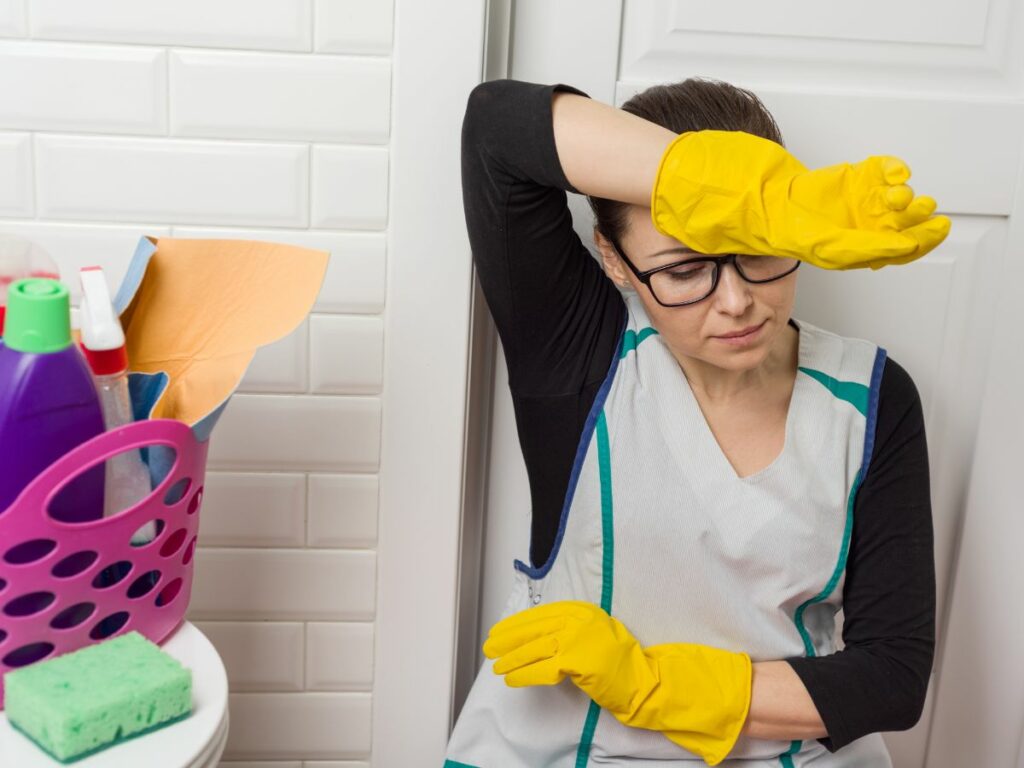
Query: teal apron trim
{"x":855,"y":394}
{"x":786,"y":758}
{"x":454,"y":764}
{"x":604,"y":463}
{"x":631,"y":339}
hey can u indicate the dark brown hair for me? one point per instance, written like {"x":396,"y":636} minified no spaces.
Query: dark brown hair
{"x":695,"y":104}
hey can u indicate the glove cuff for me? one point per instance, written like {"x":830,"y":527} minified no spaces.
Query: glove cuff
{"x":701,"y":701}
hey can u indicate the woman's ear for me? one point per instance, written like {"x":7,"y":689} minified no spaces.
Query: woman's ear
{"x":610,"y":260}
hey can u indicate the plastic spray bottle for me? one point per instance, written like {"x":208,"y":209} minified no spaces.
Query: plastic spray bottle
{"x":102,"y":340}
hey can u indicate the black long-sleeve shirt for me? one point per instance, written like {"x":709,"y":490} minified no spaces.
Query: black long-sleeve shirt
{"x":559,"y":318}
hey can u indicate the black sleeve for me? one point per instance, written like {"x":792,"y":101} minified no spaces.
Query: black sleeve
{"x":878,"y":681}
{"x":557,"y":314}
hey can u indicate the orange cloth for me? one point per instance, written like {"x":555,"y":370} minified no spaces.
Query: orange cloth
{"x":203,"y":308}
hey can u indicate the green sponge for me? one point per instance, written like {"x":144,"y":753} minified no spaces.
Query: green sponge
{"x":85,"y":701}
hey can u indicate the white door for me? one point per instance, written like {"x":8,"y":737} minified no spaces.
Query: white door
{"x":939,"y":84}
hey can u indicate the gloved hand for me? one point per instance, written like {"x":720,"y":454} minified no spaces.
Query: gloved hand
{"x":733,"y":192}
{"x":696,"y":695}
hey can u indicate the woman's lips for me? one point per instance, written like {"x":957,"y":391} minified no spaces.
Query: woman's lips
{"x":743,"y":337}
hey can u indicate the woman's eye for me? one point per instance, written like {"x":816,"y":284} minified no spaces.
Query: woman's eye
{"x":688,"y":273}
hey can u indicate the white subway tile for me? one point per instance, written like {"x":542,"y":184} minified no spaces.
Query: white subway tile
{"x":355,"y":273}
{"x":283,"y":584}
{"x":253,"y":510}
{"x":346,"y":354}
{"x":289,"y":725}
{"x":74,"y":246}
{"x":335,"y":764}
{"x":280,"y":366}
{"x":167,"y":180}
{"x":339,"y":656}
{"x":343,"y":510}
{"x":258,"y":656}
{"x":16,"y":172}
{"x":354,"y":26}
{"x":280,"y":96}
{"x":350,"y":187}
{"x":268,"y":24}
{"x":12,"y":18}
{"x":340,"y":434}
{"x":61,"y":87}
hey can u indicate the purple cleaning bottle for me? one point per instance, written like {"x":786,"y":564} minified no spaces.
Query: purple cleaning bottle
{"x":48,"y":402}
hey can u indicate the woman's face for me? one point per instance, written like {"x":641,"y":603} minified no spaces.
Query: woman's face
{"x":695,"y":331}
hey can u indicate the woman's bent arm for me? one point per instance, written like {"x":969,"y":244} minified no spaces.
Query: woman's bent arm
{"x":607,"y":152}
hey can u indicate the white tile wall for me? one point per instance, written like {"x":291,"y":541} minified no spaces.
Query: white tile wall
{"x":254,"y":509}
{"x":350,"y":187}
{"x":347,"y":354}
{"x":16,"y":170}
{"x":259,"y":656}
{"x":282,"y":366}
{"x":309,"y":725}
{"x":269,"y":432}
{"x":240,"y":120}
{"x":283,"y":584}
{"x":280,"y":96}
{"x":95,"y":88}
{"x":339,"y":656}
{"x":223,"y":182}
{"x":354,"y":26}
{"x":342,"y":511}
{"x":269,"y":24}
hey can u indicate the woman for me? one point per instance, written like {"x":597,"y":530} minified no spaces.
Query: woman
{"x":711,"y":480}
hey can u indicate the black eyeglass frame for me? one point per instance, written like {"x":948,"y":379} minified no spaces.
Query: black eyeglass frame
{"x":718,"y":261}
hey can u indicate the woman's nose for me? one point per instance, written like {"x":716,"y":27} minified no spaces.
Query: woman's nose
{"x":733,"y":292}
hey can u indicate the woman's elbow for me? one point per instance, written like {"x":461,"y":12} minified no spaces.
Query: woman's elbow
{"x":906,"y":708}
{"x":481,"y":100}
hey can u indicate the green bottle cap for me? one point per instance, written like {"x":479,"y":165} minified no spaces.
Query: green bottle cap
{"x":38,"y":316}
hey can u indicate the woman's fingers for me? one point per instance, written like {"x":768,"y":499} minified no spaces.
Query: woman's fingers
{"x":894,"y":170}
{"x":849,"y":248}
{"x":545,"y":672}
{"x":899,"y":197}
{"x":500,"y":642}
{"x":559,"y":608}
{"x":919,"y":210}
{"x":930,"y":233}
{"x":545,"y":647}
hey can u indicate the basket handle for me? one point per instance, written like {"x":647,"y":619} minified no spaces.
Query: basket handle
{"x":138,"y":434}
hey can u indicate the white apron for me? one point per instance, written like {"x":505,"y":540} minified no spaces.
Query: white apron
{"x":658,"y":529}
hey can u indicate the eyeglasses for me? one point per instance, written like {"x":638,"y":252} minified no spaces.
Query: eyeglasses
{"x":691,"y":280}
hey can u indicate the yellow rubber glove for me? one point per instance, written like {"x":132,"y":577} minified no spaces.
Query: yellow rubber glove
{"x":696,"y":695}
{"x":733,"y":192}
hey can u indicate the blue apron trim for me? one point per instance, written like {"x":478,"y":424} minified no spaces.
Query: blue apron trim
{"x":581,"y":453}
{"x":604,"y":462}
{"x":872,"y":414}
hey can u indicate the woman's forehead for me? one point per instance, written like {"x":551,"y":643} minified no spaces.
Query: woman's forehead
{"x":647,"y":242}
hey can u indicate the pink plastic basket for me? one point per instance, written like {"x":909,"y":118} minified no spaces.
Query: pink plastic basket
{"x":64,"y":586}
